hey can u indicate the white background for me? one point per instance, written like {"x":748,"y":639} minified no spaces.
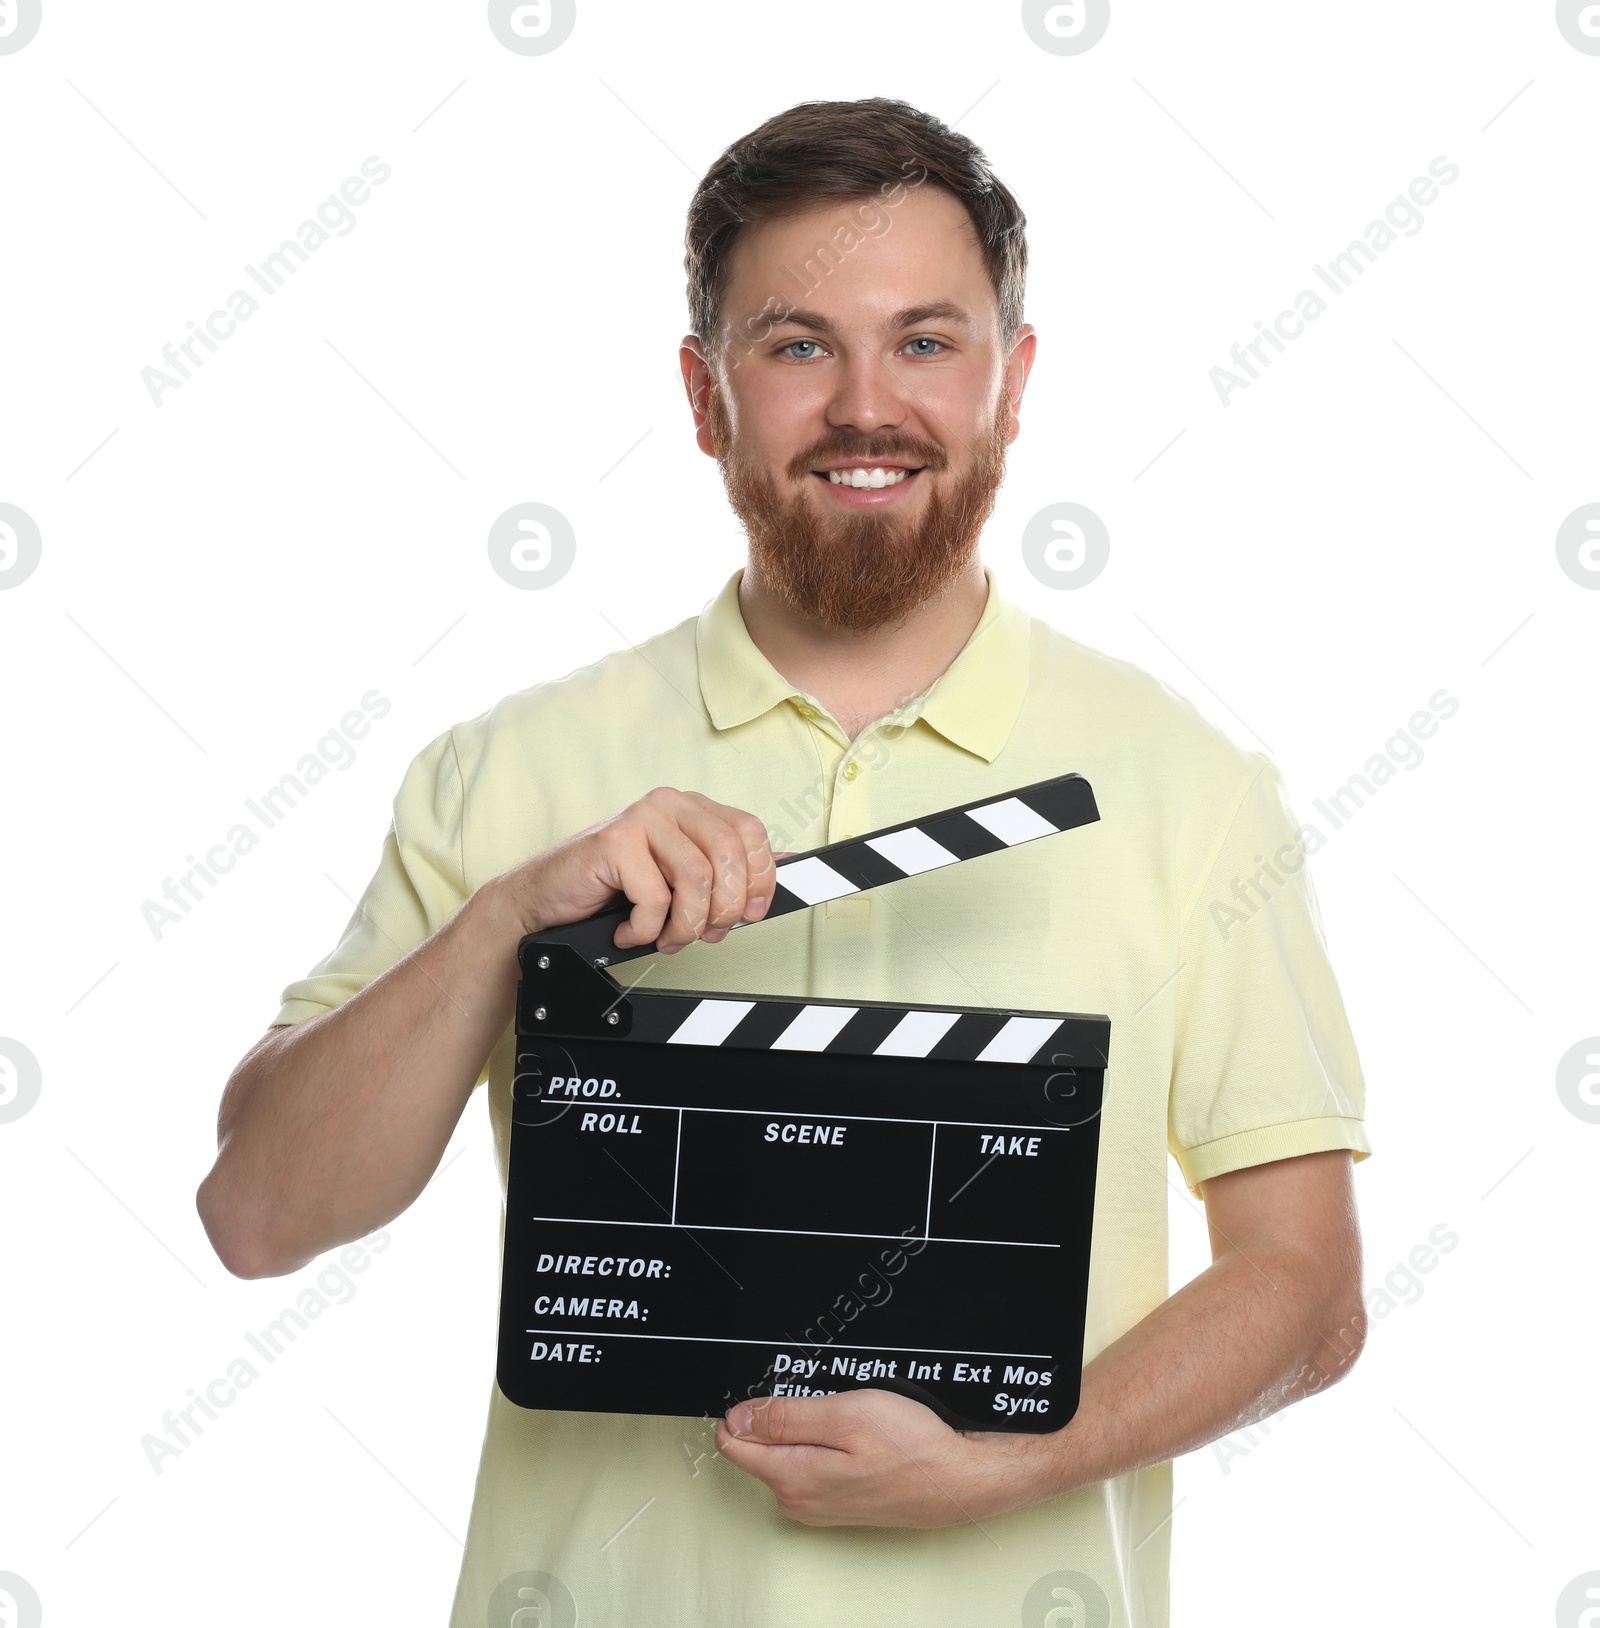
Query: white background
{"x":304,"y":521}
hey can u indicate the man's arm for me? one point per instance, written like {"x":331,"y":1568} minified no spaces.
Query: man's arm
{"x":331,"y":1127}
{"x":1276,"y":1317}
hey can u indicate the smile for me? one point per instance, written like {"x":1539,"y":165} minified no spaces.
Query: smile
{"x":867,"y":477}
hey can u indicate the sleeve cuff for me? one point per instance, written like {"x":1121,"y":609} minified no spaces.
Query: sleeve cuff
{"x":297,"y":1011}
{"x":1287,"y":1141}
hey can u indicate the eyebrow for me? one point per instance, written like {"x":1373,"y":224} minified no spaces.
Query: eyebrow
{"x":913,"y":316}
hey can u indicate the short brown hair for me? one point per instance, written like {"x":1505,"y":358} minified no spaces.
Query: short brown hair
{"x":841,"y":152}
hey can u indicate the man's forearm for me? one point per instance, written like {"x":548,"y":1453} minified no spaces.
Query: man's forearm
{"x":1243,"y":1339}
{"x":331,"y":1128}
{"x":1276,"y":1316}
{"x":1237,"y":1343}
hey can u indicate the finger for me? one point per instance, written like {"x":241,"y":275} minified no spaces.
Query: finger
{"x":761,"y":871}
{"x":633,"y":871}
{"x":688,"y":873}
{"x":773,"y":1462}
{"x":792,"y":1421}
{"x":664,"y":874}
{"x":726,"y":848}
{"x":766,"y":1461}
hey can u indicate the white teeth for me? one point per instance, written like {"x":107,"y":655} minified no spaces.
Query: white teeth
{"x":867,"y":477}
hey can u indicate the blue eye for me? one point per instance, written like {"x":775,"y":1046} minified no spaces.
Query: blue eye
{"x":925,"y":341}
{"x":793,"y":342}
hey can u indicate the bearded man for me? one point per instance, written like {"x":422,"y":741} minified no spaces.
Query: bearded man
{"x":856,"y":365}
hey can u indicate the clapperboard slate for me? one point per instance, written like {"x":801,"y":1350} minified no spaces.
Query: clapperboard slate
{"x":713,"y":1197}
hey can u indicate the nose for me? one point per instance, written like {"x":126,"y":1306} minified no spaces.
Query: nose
{"x":866,"y":397}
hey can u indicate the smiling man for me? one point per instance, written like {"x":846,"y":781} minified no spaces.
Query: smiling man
{"x":856,"y":365}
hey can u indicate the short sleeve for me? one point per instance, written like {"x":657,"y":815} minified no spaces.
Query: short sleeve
{"x":1264,"y":1063}
{"x":418,"y":886}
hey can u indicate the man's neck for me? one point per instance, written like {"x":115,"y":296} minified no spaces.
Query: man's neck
{"x":861,"y":677}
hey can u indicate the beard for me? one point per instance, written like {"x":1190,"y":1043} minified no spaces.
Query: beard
{"x":871,"y":568}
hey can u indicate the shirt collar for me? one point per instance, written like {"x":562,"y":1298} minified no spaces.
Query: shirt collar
{"x":974,"y":703}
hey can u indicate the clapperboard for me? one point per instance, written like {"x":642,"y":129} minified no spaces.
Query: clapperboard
{"x":713,"y":1197}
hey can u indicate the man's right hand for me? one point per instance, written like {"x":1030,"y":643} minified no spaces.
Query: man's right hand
{"x":691,"y":867}
{"x":331,"y":1127}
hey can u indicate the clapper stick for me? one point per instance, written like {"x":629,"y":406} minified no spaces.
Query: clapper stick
{"x":556,"y":994}
{"x":711,"y":1197}
{"x":890,"y":855}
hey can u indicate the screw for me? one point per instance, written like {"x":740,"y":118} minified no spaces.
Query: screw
{"x":538,"y":1013}
{"x":602,"y":960}
{"x":611,"y":1017}
{"x":544,"y":961}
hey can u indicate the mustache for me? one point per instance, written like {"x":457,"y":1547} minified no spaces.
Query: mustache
{"x":924,"y":454}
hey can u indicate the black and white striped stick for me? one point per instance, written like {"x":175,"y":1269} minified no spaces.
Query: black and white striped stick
{"x":864,"y":1028}
{"x":890,"y":855}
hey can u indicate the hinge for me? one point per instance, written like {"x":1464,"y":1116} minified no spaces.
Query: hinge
{"x":562,"y":993}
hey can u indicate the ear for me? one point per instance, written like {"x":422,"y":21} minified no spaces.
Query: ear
{"x":698,"y":383}
{"x":1018,"y":365}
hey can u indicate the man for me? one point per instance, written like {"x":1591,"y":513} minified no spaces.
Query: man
{"x":857,"y":367}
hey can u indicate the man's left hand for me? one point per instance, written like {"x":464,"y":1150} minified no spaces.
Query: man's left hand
{"x":875,"y":1458}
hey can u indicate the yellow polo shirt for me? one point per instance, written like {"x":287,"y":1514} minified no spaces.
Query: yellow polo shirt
{"x":1185,"y":914}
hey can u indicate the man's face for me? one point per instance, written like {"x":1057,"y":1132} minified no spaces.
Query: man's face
{"x":861,"y":337}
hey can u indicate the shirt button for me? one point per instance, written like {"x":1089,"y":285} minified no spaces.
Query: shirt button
{"x":808,"y":712}
{"x":850,"y":771}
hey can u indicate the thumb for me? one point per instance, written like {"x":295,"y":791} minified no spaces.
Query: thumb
{"x":787,"y":1420}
